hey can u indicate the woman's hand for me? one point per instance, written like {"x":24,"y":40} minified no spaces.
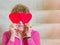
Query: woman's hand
{"x":27,"y":30}
{"x":13,"y":28}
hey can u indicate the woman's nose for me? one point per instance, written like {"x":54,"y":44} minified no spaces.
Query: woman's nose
{"x":21,"y":22}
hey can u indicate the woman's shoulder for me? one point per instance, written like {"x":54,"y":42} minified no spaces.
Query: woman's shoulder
{"x":7,"y":33}
{"x":35,"y":31}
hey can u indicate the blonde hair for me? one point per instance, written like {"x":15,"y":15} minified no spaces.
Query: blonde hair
{"x":20,"y":8}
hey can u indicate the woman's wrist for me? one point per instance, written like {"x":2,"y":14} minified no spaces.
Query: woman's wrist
{"x":29,"y":38}
{"x":12,"y":38}
{"x":29,"y":35}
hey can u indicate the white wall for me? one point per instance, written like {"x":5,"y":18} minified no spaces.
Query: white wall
{"x":32,"y":4}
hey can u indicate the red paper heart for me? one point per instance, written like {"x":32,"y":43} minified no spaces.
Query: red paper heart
{"x":26,"y":17}
{"x":15,"y":17}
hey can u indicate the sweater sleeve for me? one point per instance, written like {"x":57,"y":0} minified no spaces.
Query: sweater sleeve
{"x":35,"y":40}
{"x":5,"y":40}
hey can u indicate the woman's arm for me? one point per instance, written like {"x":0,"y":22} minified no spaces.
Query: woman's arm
{"x":34,"y":40}
{"x":6,"y":40}
{"x":9,"y":39}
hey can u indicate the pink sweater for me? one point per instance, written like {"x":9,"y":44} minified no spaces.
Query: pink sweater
{"x":34,"y":41}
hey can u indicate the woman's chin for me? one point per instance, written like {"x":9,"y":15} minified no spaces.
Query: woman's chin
{"x":20,"y":30}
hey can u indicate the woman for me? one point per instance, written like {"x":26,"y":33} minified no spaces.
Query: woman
{"x":20,"y":34}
